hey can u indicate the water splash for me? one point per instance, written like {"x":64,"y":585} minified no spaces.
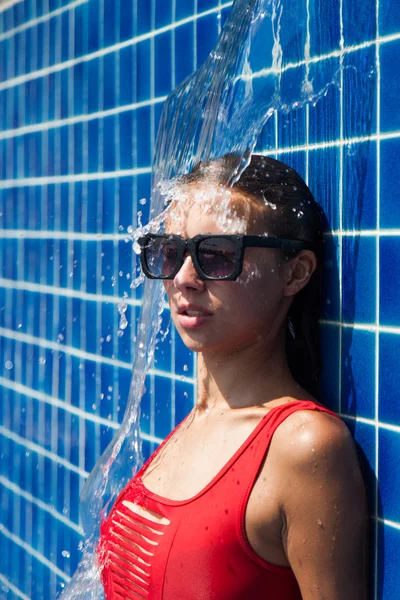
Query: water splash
{"x":257,"y":67}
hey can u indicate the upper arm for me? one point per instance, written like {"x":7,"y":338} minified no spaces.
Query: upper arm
{"x":324,"y":509}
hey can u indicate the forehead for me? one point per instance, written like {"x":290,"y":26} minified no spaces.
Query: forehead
{"x":205,"y":208}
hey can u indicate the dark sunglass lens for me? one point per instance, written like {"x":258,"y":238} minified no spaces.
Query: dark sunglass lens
{"x":217,"y":257}
{"x":161,"y":255}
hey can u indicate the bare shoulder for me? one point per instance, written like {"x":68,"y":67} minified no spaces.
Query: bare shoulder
{"x":316,"y":436}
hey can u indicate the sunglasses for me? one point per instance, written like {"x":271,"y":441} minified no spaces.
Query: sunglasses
{"x":214,"y":257}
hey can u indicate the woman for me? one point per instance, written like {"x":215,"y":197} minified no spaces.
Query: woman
{"x":258,"y":492}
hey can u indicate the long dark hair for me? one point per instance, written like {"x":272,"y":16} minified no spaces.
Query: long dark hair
{"x":294,"y":214}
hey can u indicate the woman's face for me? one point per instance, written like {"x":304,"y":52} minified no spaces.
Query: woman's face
{"x":234,"y":314}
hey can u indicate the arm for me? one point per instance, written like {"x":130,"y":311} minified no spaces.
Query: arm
{"x":324,"y":509}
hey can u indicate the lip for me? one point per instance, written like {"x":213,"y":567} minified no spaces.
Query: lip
{"x":192,"y":322}
{"x":182,"y":308}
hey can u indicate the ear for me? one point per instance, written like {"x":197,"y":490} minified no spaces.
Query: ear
{"x":298,"y":272}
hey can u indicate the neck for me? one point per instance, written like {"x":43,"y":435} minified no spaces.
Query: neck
{"x":252,"y":376}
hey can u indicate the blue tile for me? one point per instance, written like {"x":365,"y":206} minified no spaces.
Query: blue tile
{"x":163,"y":57}
{"x":389,"y":164}
{"x":126,"y":90}
{"x":389,"y":281}
{"x":53,"y":28}
{"x":64,"y":42}
{"x":126,"y":20}
{"x":203,"y":5}
{"x":389,"y":17}
{"x":109,"y":149}
{"x":358,"y":373}
{"x":184,"y":400}
{"x":184,"y":9}
{"x":144,"y":134}
{"x":359,"y":21}
{"x":79,"y":99}
{"x":93,"y":27}
{"x":324,"y":115}
{"x":207,"y":33}
{"x":64,"y":83}
{"x":93,"y":85}
{"x":162,"y":407}
{"x":359,"y":188}
{"x":109,"y":200}
{"x":330,"y":369}
{"x":163,"y":13}
{"x":388,"y":561}
{"x":389,"y":377}
{"x":109,"y":81}
{"x":142,"y":70}
{"x":390,"y":86}
{"x":183,"y":61}
{"x":78,"y":148}
{"x":324,"y":27}
{"x":389,"y":475}
{"x":359,"y":281}
{"x":126,"y":139}
{"x":162,"y":356}
{"x":359,"y":93}
{"x":93,"y":145}
{"x":323,"y":181}
{"x":79,"y":14}
{"x":109,"y":23}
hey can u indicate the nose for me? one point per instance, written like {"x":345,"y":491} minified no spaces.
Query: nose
{"x":187,"y":276}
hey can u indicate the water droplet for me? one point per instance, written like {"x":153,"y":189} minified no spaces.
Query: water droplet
{"x":142,"y":201}
{"x":319,"y":522}
{"x":185,"y":368}
{"x":42,"y":360}
{"x":19,"y":325}
{"x":108,"y":338}
{"x":8,"y":364}
{"x":110,"y":388}
{"x":66,"y":554}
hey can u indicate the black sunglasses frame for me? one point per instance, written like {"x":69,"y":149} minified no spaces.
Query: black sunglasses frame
{"x":191,"y":245}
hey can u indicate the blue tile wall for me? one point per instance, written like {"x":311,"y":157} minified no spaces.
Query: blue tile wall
{"x":82,"y":85}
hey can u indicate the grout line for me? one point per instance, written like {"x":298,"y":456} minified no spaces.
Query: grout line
{"x":27,"y":286}
{"x":340,"y":238}
{"x":364,"y":327}
{"x":388,"y":523}
{"x":51,"y":180}
{"x":47,"y":563}
{"x":101,"y":175}
{"x":13,"y":588}
{"x":83,"y":118}
{"x":41,"y":234}
{"x":49,"y":508}
{"x":373,"y":423}
{"x":35,"y":234}
{"x":377,"y":271}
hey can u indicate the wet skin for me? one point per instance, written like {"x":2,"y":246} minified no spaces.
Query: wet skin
{"x":307,"y":509}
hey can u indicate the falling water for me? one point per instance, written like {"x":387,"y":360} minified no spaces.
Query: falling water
{"x":259,"y":65}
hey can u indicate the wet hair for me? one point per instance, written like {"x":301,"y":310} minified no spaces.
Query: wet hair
{"x":293,"y":213}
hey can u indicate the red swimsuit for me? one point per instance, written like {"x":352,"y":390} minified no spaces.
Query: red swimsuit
{"x":199,"y":551}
